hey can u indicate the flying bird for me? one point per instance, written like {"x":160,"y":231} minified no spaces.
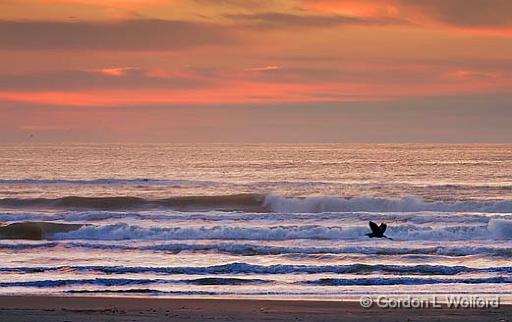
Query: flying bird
{"x":377,"y":231}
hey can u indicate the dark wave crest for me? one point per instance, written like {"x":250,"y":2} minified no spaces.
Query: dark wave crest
{"x":129,"y":281}
{"x":109,"y":282}
{"x":248,"y":249}
{"x":237,"y":202}
{"x":35,"y":230}
{"x":406,"y":281}
{"x":245,"y":268}
{"x":254,"y":202}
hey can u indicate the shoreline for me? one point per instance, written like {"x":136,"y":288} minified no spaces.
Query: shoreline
{"x":98,"y":308}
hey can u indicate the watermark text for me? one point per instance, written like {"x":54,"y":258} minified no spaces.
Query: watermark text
{"x":433,"y":301}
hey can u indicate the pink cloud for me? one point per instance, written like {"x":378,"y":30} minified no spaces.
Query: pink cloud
{"x":115,"y":71}
{"x":268,"y":68}
{"x":463,"y":74}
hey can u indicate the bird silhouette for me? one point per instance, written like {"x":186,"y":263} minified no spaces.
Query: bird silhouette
{"x":378,"y":231}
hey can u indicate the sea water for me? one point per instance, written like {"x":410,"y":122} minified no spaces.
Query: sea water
{"x":268,"y":220}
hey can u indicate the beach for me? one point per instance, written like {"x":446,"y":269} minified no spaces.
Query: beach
{"x":49,"y":308}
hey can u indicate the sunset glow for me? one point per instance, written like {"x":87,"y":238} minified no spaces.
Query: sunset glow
{"x":165,"y":54}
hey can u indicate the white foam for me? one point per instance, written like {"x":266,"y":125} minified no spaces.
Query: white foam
{"x":500,"y":228}
{"x":497,"y":229}
{"x":369,"y":204}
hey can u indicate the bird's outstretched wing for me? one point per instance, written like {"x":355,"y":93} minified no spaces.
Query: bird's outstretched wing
{"x":373,"y":226}
{"x":383,"y":227}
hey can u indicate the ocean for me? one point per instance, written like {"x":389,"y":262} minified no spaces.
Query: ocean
{"x":255,"y":221}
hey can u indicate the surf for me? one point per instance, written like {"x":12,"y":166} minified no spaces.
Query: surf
{"x":35,"y":230}
{"x":239,"y":268}
{"x":495,"y":229}
{"x":234,"y":202}
{"x":261,"y":203}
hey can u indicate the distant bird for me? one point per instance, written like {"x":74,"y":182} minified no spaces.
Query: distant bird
{"x":377,"y":231}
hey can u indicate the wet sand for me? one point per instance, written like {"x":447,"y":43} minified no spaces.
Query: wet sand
{"x":97,"y":309}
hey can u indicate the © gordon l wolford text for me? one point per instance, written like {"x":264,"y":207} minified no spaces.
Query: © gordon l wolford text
{"x":433,"y":301}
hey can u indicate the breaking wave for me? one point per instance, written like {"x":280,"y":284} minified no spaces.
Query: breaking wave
{"x":35,"y":230}
{"x":495,"y":229}
{"x":244,"y":268}
{"x":110,"y":282}
{"x":263,"y":203}
{"x":244,"y":249}
{"x":369,"y":204}
{"x":129,"y":281}
{"x":406,"y":281}
{"x":168,"y":216}
{"x":239,"y":202}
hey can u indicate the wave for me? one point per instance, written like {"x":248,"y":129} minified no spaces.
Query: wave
{"x":501,"y":228}
{"x":156,"y":292}
{"x":22,"y":246}
{"x":369,"y":204}
{"x":111,"y":182}
{"x":266,"y":185}
{"x":253,"y":250}
{"x":366,"y":281}
{"x":294,"y":251}
{"x":252,"y":202}
{"x":123,"y":231}
{"x":133,"y":291}
{"x":169,"y":216}
{"x":245,"y":268}
{"x":495,"y":229}
{"x":267,"y":293}
{"x":406,"y":281}
{"x":150,"y":291}
{"x":129,"y":281}
{"x":35,"y":230}
{"x":237,"y":202}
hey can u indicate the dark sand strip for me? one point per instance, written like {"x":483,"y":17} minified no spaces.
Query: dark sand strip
{"x":98,"y":309}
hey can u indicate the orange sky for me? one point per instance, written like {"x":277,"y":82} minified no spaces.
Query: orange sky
{"x":72,"y":69}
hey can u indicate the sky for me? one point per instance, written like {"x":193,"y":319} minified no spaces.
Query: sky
{"x":256,"y":71}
